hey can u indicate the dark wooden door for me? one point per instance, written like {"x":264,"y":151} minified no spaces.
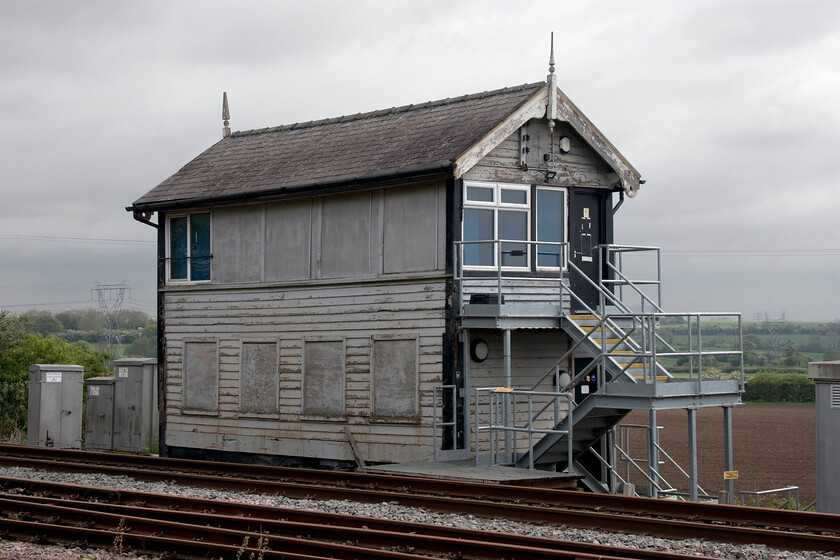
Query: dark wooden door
{"x":586,"y":232}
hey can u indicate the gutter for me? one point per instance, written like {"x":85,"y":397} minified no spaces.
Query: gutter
{"x":327,"y":187}
{"x":143,"y":217}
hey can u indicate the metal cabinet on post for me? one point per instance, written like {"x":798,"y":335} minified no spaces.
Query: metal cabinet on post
{"x":55,"y":406}
{"x":99,"y":413}
{"x":136,"y":415}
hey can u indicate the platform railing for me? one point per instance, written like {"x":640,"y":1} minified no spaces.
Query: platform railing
{"x":652,"y":474}
{"x":498,"y":400}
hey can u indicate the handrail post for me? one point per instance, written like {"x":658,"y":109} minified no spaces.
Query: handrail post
{"x":530,"y":432}
{"x":569,"y":436}
{"x":498,"y":245}
{"x":700,"y":353}
{"x":658,"y":278}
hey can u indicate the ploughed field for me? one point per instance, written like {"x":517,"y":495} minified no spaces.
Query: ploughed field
{"x":774,"y":447}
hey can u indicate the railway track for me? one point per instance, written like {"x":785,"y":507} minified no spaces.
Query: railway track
{"x":787,"y":530}
{"x":187,"y":527}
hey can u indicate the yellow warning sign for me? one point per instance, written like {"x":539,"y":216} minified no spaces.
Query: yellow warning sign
{"x":730,"y":475}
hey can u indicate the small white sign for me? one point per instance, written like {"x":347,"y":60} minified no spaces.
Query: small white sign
{"x":122,"y":372}
{"x":584,"y":389}
{"x":94,"y":391}
{"x":53,"y":377}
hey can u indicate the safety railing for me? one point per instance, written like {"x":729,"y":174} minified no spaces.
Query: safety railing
{"x":658,"y":485}
{"x":790,"y":493}
{"x":504,"y":407}
{"x":474,"y":271}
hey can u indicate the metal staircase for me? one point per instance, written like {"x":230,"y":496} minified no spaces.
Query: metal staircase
{"x":619,"y":338}
{"x":623,"y":346}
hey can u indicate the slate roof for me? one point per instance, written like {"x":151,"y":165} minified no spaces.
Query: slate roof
{"x":402,"y":142}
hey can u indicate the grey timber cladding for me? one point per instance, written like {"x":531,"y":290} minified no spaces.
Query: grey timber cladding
{"x":237,"y":239}
{"x":323,"y":378}
{"x":201,"y":375}
{"x":395,"y":382}
{"x":340,"y":149}
{"x":259,"y":382}
{"x":386,"y":231}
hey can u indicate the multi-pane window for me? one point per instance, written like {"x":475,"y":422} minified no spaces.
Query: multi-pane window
{"x":496,"y":212}
{"x":189,"y":247}
{"x":498,"y":215}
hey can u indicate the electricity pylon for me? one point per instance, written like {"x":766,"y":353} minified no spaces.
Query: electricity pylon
{"x":110,"y":298}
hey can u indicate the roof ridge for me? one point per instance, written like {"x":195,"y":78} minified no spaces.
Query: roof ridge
{"x":382,"y":112}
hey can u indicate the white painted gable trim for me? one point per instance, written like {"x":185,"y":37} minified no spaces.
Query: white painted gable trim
{"x":536,"y":108}
{"x":533,"y":108}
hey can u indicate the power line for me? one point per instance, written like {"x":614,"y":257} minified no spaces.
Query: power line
{"x":752,"y":252}
{"x":49,"y":304}
{"x":74,"y":239}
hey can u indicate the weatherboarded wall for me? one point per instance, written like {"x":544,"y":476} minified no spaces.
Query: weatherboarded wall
{"x":322,"y":313}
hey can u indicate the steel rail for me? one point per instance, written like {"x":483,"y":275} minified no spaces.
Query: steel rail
{"x":305,"y":483}
{"x":335,"y":541}
{"x":662,"y":527}
{"x":54,"y":492}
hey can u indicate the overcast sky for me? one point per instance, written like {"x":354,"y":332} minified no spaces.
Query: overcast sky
{"x":729,"y":109}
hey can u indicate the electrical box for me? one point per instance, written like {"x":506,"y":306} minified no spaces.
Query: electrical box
{"x":99,"y":413}
{"x":136,"y":417}
{"x":55,"y":406}
{"x":826,"y":376}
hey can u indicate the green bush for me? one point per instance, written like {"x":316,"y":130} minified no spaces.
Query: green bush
{"x":781,"y":388}
{"x":15,"y":360}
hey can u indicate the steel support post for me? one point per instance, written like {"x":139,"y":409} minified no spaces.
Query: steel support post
{"x":653,"y":455}
{"x":728,"y":458}
{"x":692,"y":453}
{"x":506,"y":396}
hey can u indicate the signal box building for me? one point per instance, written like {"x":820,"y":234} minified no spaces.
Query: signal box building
{"x":432,"y":282}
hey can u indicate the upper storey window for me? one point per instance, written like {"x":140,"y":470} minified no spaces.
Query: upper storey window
{"x":188,"y":248}
{"x":501,"y":220}
{"x":494,"y":211}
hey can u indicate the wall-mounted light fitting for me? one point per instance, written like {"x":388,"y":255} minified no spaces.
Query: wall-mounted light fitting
{"x":565,"y":145}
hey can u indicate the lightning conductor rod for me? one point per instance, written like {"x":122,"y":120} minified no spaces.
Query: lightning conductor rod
{"x":225,"y":116}
{"x":551,"y":108}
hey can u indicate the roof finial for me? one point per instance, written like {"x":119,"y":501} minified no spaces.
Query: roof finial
{"x":551,"y":59}
{"x":551,"y":112}
{"x":225,"y":116}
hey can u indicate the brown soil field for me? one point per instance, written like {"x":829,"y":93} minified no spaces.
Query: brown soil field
{"x":774,"y":446}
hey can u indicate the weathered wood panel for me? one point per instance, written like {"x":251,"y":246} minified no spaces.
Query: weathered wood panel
{"x":298,"y":317}
{"x":238,"y":244}
{"x":411,"y":229}
{"x":581,"y":166}
{"x":288,"y":243}
{"x":200,"y":375}
{"x":346,"y":236}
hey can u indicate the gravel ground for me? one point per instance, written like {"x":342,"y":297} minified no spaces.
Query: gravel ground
{"x":701,"y":548}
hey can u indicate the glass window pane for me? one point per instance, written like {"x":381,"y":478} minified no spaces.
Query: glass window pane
{"x":550,"y":226}
{"x":480,"y":194}
{"x":200,"y":246}
{"x":478,"y":226}
{"x":178,"y":248}
{"x":514,"y":196}
{"x":513,"y":225}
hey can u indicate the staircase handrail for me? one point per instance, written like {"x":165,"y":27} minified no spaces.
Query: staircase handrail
{"x":627,"y":282}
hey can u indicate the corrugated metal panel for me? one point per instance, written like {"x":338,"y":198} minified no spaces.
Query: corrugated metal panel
{"x":835,"y":395}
